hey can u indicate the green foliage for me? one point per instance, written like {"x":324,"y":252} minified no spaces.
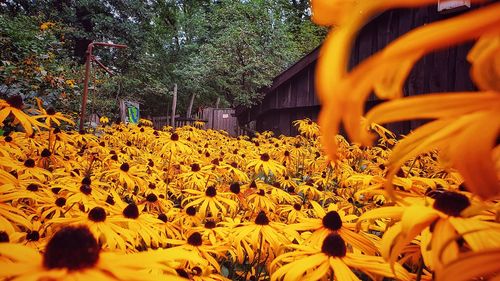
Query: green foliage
{"x":34,"y":62}
{"x":227,"y":49}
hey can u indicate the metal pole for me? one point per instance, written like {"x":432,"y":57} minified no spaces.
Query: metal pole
{"x":86,"y":85}
{"x":88,"y":60}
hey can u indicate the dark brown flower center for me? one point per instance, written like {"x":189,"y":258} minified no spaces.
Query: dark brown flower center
{"x":73,"y":248}
{"x":86,"y":189}
{"x":131,"y":211}
{"x":332,"y":221}
{"x":334,"y":246}
{"x":451,"y":203}
{"x":29,"y":163}
{"x":163,"y":217}
{"x":197,"y":271}
{"x":211,"y":191}
{"x":297,"y":206}
{"x":32,"y":187}
{"x":33,"y":236}
{"x":110,"y":200}
{"x":97,"y":214}
{"x":174,"y":137}
{"x":195,"y":239}
{"x":86,"y":180}
{"x":125,"y":167}
{"x":265,"y":157}
{"x":46,"y":153}
{"x":4,"y":237}
{"x":51,"y":111}
{"x":195,"y":167}
{"x":16,"y":101}
{"x":61,"y":201}
{"x":210,"y":224}
{"x":235,"y":188}
{"x":253,"y":184}
{"x":152,"y":198}
{"x":191,"y":211}
{"x":262,"y":219}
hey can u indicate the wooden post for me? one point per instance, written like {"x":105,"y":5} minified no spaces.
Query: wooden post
{"x":174,"y":104}
{"x":168,"y":110}
{"x":217,"y":102}
{"x":190,"y":107}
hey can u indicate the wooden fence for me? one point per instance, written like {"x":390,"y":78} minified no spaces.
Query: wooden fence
{"x":221,"y":119}
{"x":161,"y":121}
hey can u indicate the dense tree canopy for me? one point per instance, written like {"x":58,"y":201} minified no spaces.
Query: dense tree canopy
{"x":228,"y":49}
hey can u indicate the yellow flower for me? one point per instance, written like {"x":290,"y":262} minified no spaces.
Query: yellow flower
{"x":334,"y":221}
{"x":266,"y":165}
{"x":13,"y":106}
{"x":104,"y":120}
{"x":307,"y":127}
{"x":460,"y":131}
{"x":51,"y":116}
{"x":46,"y":25}
{"x":210,"y":201}
{"x":314,"y":262}
{"x":87,"y":262}
{"x":438,"y":222}
{"x":70,"y":83}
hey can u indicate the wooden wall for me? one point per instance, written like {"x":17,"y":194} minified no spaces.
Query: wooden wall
{"x":221,"y":119}
{"x":292,"y":94}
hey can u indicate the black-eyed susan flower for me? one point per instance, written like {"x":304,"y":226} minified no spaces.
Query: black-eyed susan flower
{"x":438,"y":220}
{"x":248,"y":236}
{"x":266,"y":165}
{"x":107,"y":230}
{"x":13,"y":106}
{"x":334,"y":221}
{"x":332,"y":259}
{"x":210,"y":201}
{"x":74,"y":254}
{"x":307,"y":127}
{"x":51,"y":116}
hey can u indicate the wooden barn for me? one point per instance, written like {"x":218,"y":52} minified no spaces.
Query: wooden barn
{"x":292,"y":95}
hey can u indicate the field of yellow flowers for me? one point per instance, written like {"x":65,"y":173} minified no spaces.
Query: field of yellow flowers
{"x":130,"y":202}
{"x":133,"y":203}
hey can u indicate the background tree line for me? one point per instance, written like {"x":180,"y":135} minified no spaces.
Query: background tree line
{"x":227,"y":49}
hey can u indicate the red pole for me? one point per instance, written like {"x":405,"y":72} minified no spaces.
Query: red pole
{"x":86,"y":84}
{"x":88,"y":61}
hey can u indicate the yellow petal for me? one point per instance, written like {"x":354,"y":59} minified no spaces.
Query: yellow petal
{"x":470,"y":266}
{"x":432,"y":106}
{"x":485,"y":59}
{"x":443,"y":251}
{"x":471,"y":153}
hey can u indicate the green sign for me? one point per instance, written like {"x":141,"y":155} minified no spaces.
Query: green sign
{"x":133,"y":114}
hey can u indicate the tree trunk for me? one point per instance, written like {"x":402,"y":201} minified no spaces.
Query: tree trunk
{"x":217,"y":103}
{"x":190,"y":107}
{"x":174,"y":105}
